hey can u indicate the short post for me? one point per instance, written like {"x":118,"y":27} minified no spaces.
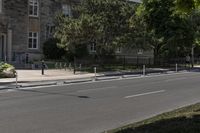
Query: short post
{"x":70,"y":66}
{"x":65,"y":66}
{"x":56,"y":65}
{"x":74,"y":65}
{"x":80,"y":67}
{"x":144,"y":70}
{"x":95,"y":73}
{"x":60,"y":65}
{"x":43,"y":66}
{"x":176,"y":67}
{"x":16,"y":74}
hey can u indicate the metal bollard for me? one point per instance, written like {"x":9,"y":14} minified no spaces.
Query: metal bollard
{"x":56,"y":65}
{"x":60,"y":65}
{"x":144,"y":70}
{"x":176,"y":67}
{"x":65,"y":66}
{"x":70,"y":66}
{"x":43,"y":66}
{"x":95,"y":73}
{"x":80,"y":67}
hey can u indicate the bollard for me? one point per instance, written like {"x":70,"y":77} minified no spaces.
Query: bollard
{"x":80,"y":67}
{"x":56,"y":66}
{"x":144,"y":70}
{"x":95,"y":73}
{"x":60,"y":65}
{"x":70,"y":66}
{"x":43,"y":66}
{"x":65,"y":66}
{"x":176,"y":67}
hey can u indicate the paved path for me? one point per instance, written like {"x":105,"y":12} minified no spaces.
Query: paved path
{"x":35,"y":75}
{"x":94,"y":107}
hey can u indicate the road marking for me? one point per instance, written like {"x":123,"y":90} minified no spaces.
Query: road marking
{"x":144,"y":94}
{"x":97,"y":89}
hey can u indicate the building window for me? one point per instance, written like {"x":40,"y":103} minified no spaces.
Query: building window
{"x":33,"y":40}
{"x":49,"y":31}
{"x":93,"y":47}
{"x":66,"y":10}
{"x":33,"y":8}
{"x":1,"y":6}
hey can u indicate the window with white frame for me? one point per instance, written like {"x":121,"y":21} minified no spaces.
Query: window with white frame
{"x":33,"y":40}
{"x":49,"y":31}
{"x":33,"y":8}
{"x":93,"y":47}
{"x":66,"y":10}
{"x":1,"y":6}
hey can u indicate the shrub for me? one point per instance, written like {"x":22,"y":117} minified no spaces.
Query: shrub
{"x":51,"y":50}
{"x":7,"y":70}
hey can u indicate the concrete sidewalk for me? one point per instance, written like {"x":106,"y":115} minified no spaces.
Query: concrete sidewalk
{"x":50,"y":75}
{"x":54,"y":77}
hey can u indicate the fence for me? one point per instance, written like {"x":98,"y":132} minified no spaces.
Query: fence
{"x":117,"y":63}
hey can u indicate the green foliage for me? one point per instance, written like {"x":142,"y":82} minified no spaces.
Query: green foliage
{"x":5,"y":66}
{"x":51,"y":50}
{"x":184,"y":120}
{"x":170,"y":34}
{"x":7,"y":70}
{"x":105,"y":23}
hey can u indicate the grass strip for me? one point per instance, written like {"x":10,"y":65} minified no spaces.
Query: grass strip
{"x":184,"y":120}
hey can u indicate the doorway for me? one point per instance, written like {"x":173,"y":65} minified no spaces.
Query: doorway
{"x":3,"y":47}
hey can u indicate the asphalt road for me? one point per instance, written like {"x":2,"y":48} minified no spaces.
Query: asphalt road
{"x":95,"y":107}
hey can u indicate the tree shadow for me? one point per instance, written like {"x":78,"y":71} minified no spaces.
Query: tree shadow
{"x":54,"y":93}
{"x":175,"y":125}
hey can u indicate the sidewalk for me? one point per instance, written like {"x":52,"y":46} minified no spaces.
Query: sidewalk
{"x":54,"y":77}
{"x":50,"y":75}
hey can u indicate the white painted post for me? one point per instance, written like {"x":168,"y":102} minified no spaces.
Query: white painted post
{"x":95,"y":73}
{"x":176,"y":67}
{"x":144,"y":70}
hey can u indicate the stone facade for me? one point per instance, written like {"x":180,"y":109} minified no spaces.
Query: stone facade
{"x":16,"y":23}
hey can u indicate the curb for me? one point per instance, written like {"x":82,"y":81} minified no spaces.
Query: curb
{"x":78,"y":81}
{"x":81,"y":80}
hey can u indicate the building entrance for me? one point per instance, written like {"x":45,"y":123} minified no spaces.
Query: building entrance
{"x":2,"y":47}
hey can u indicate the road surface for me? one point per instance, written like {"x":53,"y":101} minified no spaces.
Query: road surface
{"x":95,"y":107}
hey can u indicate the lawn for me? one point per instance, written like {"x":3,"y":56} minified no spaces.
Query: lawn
{"x":184,"y":120}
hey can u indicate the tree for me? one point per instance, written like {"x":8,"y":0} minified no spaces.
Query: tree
{"x":51,"y":50}
{"x":186,"y":6}
{"x":102,"y":22}
{"x":171,"y":31}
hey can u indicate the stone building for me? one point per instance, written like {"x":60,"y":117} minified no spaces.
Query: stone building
{"x":25,"y":25}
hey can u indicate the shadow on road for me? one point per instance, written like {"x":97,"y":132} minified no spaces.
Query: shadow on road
{"x":54,"y":93}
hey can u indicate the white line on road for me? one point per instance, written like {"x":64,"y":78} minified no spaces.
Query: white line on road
{"x":143,"y":94}
{"x":97,"y":89}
